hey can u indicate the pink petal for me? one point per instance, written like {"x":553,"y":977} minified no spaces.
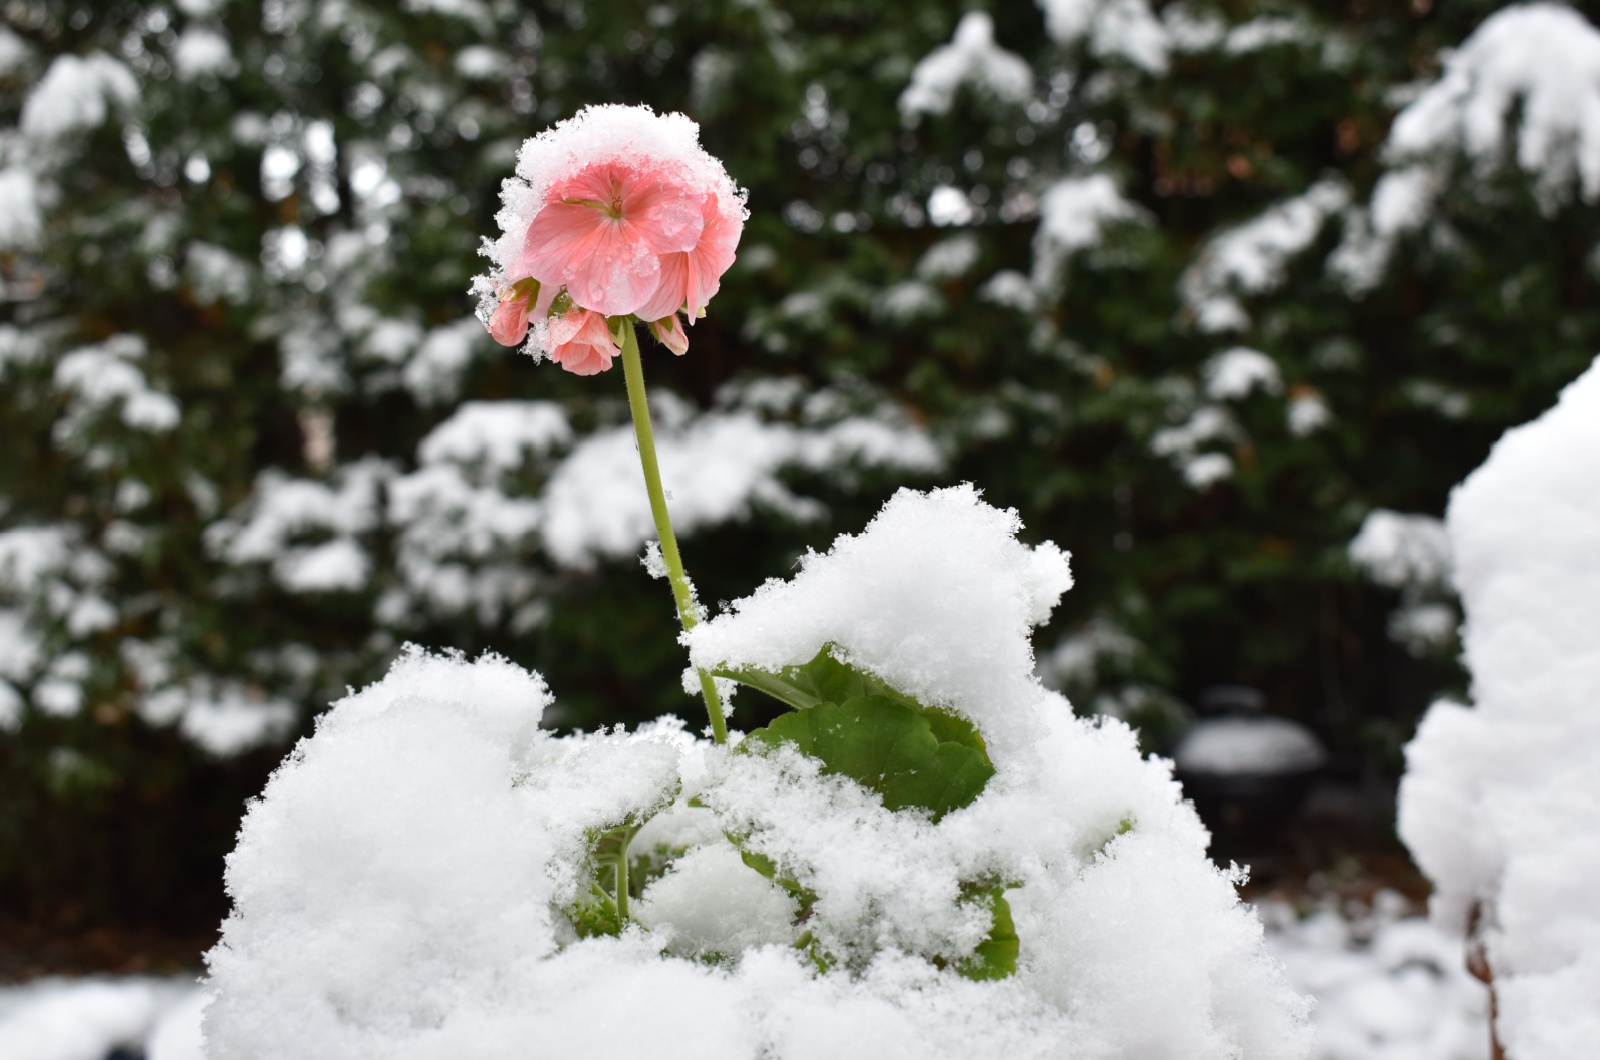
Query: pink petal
{"x":667,"y":213}
{"x":712,"y":256}
{"x":671,"y":291}
{"x":509,"y":325}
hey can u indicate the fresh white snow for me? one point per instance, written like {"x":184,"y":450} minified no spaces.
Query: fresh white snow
{"x":1500,"y":803}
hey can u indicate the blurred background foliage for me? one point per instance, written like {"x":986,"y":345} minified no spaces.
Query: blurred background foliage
{"x":235,"y":255}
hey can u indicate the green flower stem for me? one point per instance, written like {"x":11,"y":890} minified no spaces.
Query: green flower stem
{"x":682,"y":594}
{"x":622,"y":885}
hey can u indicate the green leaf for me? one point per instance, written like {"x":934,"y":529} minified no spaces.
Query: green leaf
{"x":912,"y":756}
{"x":886,"y":747}
{"x":822,"y":680}
{"x":858,"y":726}
{"x":996,"y":956}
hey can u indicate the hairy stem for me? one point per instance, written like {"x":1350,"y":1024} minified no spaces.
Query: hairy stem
{"x":682,"y":594}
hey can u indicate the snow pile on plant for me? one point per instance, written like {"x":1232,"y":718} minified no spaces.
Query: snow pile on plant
{"x":426,"y":876}
{"x":1500,"y":804}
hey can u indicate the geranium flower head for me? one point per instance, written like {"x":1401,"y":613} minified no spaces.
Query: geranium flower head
{"x":622,"y":211}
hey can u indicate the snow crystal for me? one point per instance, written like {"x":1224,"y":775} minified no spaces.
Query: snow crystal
{"x":1073,"y":215}
{"x":400,"y":888}
{"x":1500,"y":804}
{"x":1233,"y":374}
{"x":76,"y":93}
{"x":971,"y":58}
{"x":1396,"y":550}
{"x":1247,"y":745}
{"x":21,"y":219}
{"x":1125,"y":29}
{"x":201,"y":51}
{"x":1252,"y":258}
{"x":654,"y":563}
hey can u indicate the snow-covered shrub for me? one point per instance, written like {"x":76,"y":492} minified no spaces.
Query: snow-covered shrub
{"x":432,"y":874}
{"x":1500,"y":804}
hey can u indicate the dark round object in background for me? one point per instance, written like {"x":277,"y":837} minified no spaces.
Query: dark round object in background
{"x":1248,"y":772}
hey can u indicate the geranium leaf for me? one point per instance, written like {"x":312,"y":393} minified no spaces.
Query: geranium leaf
{"x":996,"y":955}
{"x":887,"y":747}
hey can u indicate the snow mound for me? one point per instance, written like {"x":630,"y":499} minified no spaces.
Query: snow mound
{"x":1500,"y":804}
{"x":411,"y":882}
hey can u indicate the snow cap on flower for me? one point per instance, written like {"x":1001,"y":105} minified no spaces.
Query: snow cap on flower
{"x":622,"y":209}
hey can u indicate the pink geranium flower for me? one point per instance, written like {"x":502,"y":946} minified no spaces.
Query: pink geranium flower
{"x":581,"y":342}
{"x":605,"y":229}
{"x":617,"y":211}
